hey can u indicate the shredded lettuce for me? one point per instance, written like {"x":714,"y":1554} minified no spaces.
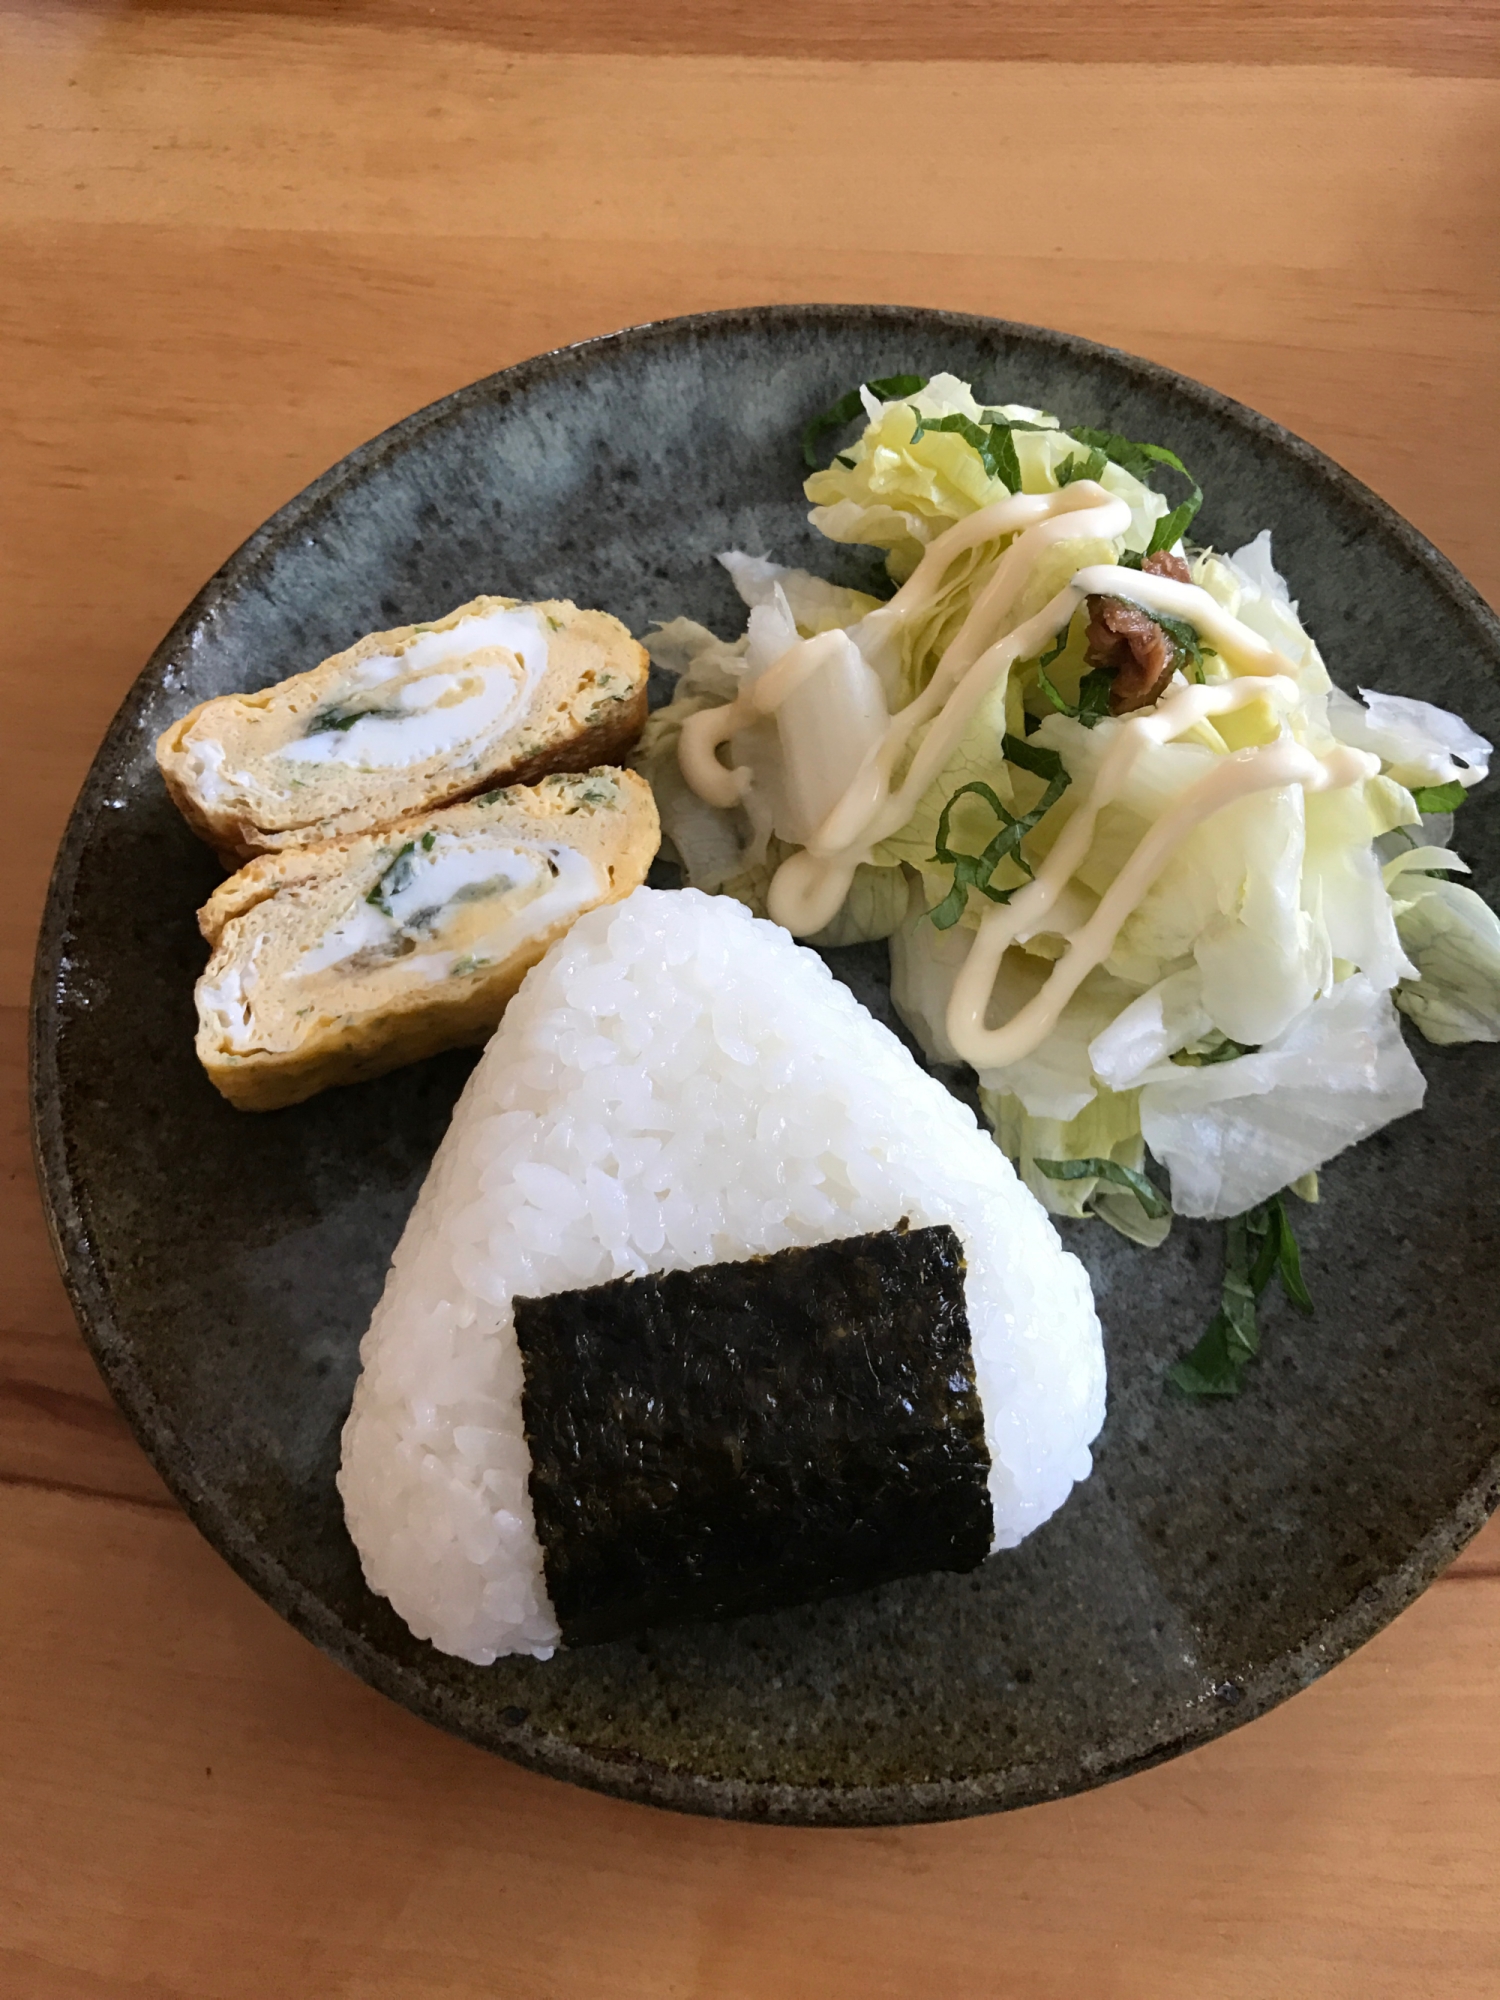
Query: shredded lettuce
{"x":1150,"y":1197}
{"x":710,"y":843}
{"x":978,"y":756}
{"x":1244,"y":1026}
{"x":992,"y":437}
{"x":815,"y":604}
{"x":1420,"y":745}
{"x":924,"y":964}
{"x":1233,"y":1133}
{"x":902,"y":485}
{"x":873,"y":908}
{"x":924,"y":639}
{"x":848,"y":407}
{"x":1108,"y":1128}
{"x":1249,"y":587}
{"x":1057,"y":1079}
{"x":927,"y":460}
{"x":1150,"y":1029}
{"x":736,"y":852}
{"x":1453,"y":940}
{"x":1141,"y":460}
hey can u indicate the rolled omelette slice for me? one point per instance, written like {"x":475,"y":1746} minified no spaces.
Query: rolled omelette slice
{"x":341,"y":961}
{"x":496,"y":693}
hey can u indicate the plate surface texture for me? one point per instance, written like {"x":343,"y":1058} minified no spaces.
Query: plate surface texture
{"x":224,"y":1266}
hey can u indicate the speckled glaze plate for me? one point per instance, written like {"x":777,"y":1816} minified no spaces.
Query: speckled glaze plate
{"x":223,"y":1266}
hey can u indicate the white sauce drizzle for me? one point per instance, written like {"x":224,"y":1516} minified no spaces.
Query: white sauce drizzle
{"x":1236,"y":776}
{"x":809,"y":887}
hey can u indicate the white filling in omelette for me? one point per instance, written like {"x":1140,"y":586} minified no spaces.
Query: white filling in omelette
{"x":446,"y":906}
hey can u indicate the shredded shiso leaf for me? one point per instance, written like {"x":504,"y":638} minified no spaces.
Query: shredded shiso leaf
{"x":1259,"y":1245}
{"x":1440,"y":798}
{"x":1092,"y":704}
{"x":991,"y":438}
{"x":1141,"y":460}
{"x":975,"y":871}
{"x":396,"y":877}
{"x":1150,"y":1197}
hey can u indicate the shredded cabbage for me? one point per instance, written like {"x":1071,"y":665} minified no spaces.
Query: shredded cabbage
{"x":815,"y":604}
{"x":709,"y":843}
{"x":1243,"y":1024}
{"x":1248,"y":585}
{"x":1161,"y":1022}
{"x":1453,"y":939}
{"x":1233,"y":1134}
{"x":1107,"y":1129}
{"x":1418,"y":744}
{"x":895,"y":491}
{"x":978,"y":756}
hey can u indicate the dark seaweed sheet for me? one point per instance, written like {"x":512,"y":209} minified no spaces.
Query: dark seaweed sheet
{"x":754,"y":1434}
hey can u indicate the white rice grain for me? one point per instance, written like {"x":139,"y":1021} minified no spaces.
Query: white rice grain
{"x":677,"y":1083}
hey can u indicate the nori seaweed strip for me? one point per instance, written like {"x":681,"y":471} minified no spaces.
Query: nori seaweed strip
{"x":749,"y":1435}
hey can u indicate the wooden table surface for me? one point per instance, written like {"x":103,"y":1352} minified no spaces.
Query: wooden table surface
{"x":234,"y":243}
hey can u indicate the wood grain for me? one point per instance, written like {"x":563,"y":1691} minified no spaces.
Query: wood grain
{"x":1424,"y":36}
{"x":233,"y":243}
{"x":200,"y":1807}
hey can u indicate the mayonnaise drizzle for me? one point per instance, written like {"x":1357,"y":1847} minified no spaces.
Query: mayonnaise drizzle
{"x":1246,"y":651}
{"x":1285,"y":762}
{"x":704,"y":732}
{"x":808,"y":888}
{"x":1021,"y":512}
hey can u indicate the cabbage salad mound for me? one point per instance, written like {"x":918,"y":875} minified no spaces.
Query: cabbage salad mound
{"x":1142,"y":866}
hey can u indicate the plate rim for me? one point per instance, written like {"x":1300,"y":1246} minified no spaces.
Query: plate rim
{"x":625,"y":1774}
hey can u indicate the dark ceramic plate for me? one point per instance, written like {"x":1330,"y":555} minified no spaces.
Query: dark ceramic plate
{"x":224,"y":1266}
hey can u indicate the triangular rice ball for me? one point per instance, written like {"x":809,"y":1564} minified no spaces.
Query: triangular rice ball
{"x":677,"y":1084}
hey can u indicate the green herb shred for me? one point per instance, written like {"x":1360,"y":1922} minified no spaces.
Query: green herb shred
{"x":1190,"y":649}
{"x":1058,"y":647}
{"x":1150,"y":1197}
{"x":974,"y":871}
{"x":1260,"y":1245}
{"x":1139,"y":460}
{"x":1092,"y":704}
{"x":334,"y":719}
{"x":397,"y":877}
{"x":991,"y":438}
{"x":847,"y":408}
{"x":1225,"y":1051}
{"x":1440,"y":798}
{"x":1082,"y":468}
